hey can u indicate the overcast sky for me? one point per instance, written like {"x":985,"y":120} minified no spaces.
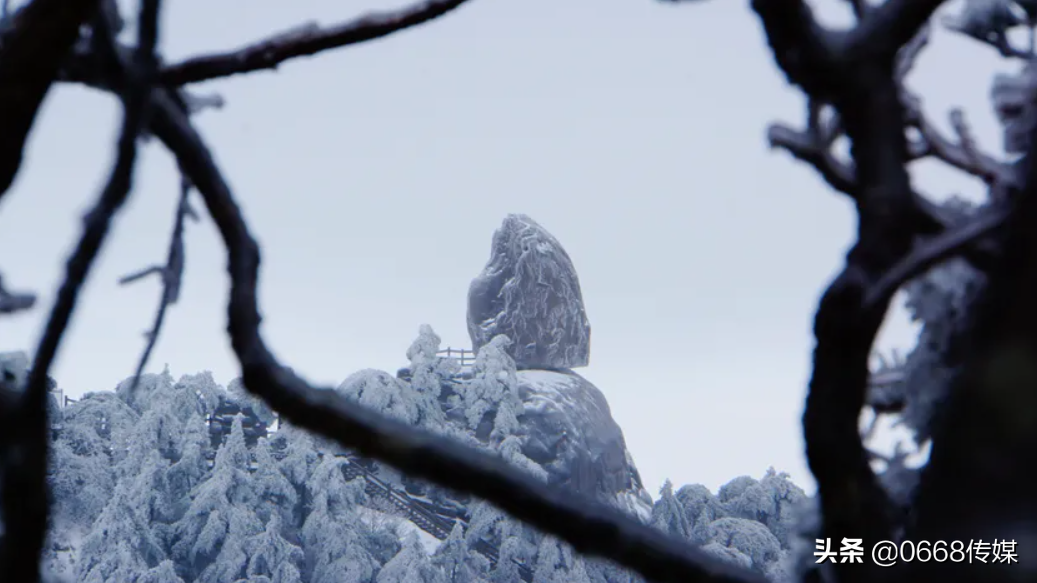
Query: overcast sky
{"x":374,"y":177}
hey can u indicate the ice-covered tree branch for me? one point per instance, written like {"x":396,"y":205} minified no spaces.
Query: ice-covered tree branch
{"x":24,"y":495}
{"x":986,"y":435}
{"x":305,"y":40}
{"x":12,"y":301}
{"x":172,"y":274}
{"x":855,"y":73}
{"x":34,"y":41}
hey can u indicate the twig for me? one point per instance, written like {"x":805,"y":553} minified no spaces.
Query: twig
{"x":172,"y":276}
{"x":24,"y":495}
{"x":804,"y":147}
{"x":965,"y":155}
{"x":35,"y":40}
{"x":12,"y":302}
{"x":589,"y":526}
{"x":304,"y":41}
{"x":928,"y":253}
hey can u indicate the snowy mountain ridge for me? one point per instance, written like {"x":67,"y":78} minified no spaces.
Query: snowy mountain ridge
{"x":154,"y":488}
{"x":183,"y":481}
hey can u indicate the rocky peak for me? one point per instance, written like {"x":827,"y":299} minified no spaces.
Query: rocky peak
{"x":529,"y":292}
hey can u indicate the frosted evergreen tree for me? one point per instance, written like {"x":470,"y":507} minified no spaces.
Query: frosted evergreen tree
{"x":199,"y":392}
{"x":209,"y":537}
{"x":578,"y":572}
{"x":512,"y":553}
{"x":123,"y":539}
{"x":428,"y":371}
{"x":333,"y":534}
{"x":274,"y":492}
{"x":410,"y":565}
{"x":82,"y":476}
{"x":548,"y":567}
{"x":300,"y":454}
{"x":164,"y":572}
{"x":729,"y":554}
{"x":243,"y":398}
{"x":119,"y":563}
{"x":456,"y":560}
{"x":773,"y":501}
{"x":701,"y":507}
{"x":494,"y":380}
{"x":192,"y":467}
{"x":668,"y":514}
{"x":300,"y":460}
{"x":148,"y":387}
{"x":485,"y":522}
{"x":492,"y":405}
{"x":511,"y":450}
{"x":382,"y":392}
{"x":273,"y":557}
{"x":749,"y":537}
{"x":102,"y":420}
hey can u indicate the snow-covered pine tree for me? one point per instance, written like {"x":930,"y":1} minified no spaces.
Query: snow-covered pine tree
{"x":209,"y":539}
{"x":333,"y":534}
{"x":410,"y":565}
{"x":456,"y":560}
{"x":668,"y":514}
{"x":272,"y":556}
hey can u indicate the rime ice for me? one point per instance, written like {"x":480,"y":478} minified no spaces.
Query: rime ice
{"x":529,"y":292}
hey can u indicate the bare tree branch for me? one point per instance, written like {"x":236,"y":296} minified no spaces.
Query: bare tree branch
{"x":589,"y":526}
{"x":24,"y":495}
{"x":12,"y":302}
{"x":888,"y":27}
{"x":986,"y":436}
{"x":303,"y":41}
{"x":856,"y":73}
{"x":805,"y":146}
{"x":964,"y":155}
{"x":930,"y":252}
{"x":139,"y":275}
{"x":33,"y":43}
{"x":172,"y":276}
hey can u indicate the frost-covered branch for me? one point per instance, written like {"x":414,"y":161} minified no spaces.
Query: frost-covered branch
{"x":985,"y":438}
{"x":34,"y":40}
{"x":855,"y":72}
{"x":928,"y":253}
{"x":962,"y":153}
{"x":590,"y":527}
{"x":12,"y":302}
{"x":172,"y":274}
{"x":305,"y":40}
{"x":24,"y":494}
{"x":813,"y":146}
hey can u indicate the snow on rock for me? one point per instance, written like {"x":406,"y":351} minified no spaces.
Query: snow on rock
{"x":571,"y":433}
{"x":529,"y":292}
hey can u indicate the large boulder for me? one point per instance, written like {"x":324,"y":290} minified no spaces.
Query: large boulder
{"x":570,"y":432}
{"x":529,"y":292}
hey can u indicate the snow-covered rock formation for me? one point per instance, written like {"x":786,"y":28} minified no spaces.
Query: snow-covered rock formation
{"x":571,"y":433}
{"x":530,"y":293}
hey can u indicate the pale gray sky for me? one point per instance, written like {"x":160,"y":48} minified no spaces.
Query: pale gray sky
{"x":374,"y":176}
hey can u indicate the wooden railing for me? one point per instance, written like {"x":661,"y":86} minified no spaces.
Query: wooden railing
{"x":465,"y":357}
